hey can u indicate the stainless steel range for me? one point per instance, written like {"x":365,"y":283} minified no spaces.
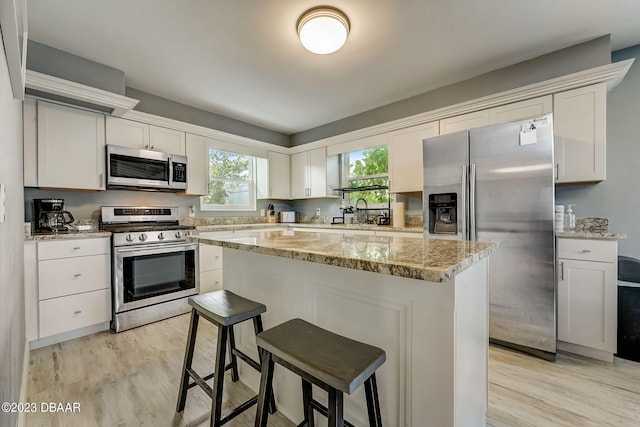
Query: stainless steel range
{"x":154,"y":268}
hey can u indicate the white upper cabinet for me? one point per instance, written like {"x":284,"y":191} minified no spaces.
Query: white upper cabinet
{"x":128,"y":133}
{"x":274,"y":176}
{"x":309,"y":174}
{"x":522,"y":110}
{"x":464,"y":121}
{"x":405,"y":157}
{"x":197,"y":149}
{"x":580,"y":118}
{"x":70,"y":148}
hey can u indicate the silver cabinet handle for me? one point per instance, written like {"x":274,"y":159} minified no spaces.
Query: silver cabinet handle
{"x":76,"y":248}
{"x":146,"y":146}
{"x":557,"y":170}
{"x":77,"y":275}
{"x":585,"y":251}
{"x":562,"y":271}
{"x":75,"y":313}
{"x":152,"y":147}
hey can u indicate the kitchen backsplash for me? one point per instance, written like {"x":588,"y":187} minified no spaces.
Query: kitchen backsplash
{"x":592,"y":225}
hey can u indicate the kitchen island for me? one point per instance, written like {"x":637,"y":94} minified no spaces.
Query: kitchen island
{"x":423,"y":301}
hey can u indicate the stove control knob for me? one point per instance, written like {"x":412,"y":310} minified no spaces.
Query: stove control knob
{"x":161,"y":236}
{"x":142,"y":237}
{"x":178,"y":234}
{"x":129,"y":238}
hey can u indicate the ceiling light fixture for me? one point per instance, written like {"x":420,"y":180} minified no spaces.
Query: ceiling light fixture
{"x":323,"y":29}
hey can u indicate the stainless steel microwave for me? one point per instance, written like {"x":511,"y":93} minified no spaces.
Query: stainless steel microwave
{"x":130,"y":168}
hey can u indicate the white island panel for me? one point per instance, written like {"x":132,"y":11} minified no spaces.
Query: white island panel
{"x":435,"y":334}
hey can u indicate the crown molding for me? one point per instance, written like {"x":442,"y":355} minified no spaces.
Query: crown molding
{"x":611,"y":74}
{"x":54,"y":85}
{"x":152,"y":119}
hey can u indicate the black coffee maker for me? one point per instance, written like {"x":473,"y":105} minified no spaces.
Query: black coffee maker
{"x":49,"y":215}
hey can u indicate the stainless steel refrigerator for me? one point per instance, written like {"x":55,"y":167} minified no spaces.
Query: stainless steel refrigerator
{"x":496,"y":184}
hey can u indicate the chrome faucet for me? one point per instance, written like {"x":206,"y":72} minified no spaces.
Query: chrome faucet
{"x":362,"y":214}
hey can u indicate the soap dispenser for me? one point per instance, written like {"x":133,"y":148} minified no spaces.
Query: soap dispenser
{"x":571,"y":218}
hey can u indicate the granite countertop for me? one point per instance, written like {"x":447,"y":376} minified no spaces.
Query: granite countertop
{"x":431,"y":260}
{"x":595,"y":235}
{"x":337,"y":227}
{"x":68,"y":235}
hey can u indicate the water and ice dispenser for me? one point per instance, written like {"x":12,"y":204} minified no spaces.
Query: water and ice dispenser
{"x":443,"y":213}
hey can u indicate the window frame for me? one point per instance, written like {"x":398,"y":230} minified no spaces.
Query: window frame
{"x":251,"y":181}
{"x":347,"y":178}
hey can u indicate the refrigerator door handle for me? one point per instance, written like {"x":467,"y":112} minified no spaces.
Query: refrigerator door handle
{"x":463,"y":202}
{"x":472,"y":203}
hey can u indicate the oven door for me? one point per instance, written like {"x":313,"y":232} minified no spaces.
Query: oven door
{"x":150,"y":274}
{"x":129,"y":167}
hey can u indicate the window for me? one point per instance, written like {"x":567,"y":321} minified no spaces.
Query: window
{"x":231,"y":182}
{"x":366,"y":167}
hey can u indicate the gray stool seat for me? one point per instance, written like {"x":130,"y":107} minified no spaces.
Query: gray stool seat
{"x":338,"y":361}
{"x":334,"y":363}
{"x":226,"y":308}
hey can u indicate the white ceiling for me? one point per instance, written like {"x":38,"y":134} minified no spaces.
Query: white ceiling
{"x":242,"y":58}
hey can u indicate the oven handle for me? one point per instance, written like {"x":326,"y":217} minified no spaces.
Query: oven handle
{"x":156,"y":248}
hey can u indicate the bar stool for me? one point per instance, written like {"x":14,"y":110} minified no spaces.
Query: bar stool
{"x":224,"y":309}
{"x":332,"y":362}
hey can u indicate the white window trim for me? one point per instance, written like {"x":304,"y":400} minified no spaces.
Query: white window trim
{"x":252,"y":189}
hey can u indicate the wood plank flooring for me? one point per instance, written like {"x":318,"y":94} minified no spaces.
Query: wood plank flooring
{"x":131,"y":379}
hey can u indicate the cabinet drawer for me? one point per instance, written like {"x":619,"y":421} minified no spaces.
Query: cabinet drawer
{"x":588,"y":250}
{"x":67,"y":276}
{"x":58,"y":315}
{"x":72,"y":248}
{"x":210,"y":257}
{"x":210,"y":281}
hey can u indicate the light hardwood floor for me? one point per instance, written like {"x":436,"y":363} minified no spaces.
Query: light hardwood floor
{"x":131,"y":379}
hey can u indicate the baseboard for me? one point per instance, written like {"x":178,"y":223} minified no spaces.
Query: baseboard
{"x":24,"y":383}
{"x":66,"y":336}
{"x":592,"y":353}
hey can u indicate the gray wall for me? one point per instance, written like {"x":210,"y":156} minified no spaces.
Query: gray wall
{"x":565,"y":61}
{"x":55,"y":62}
{"x":12,"y":310}
{"x":163,"y":107}
{"x":86,"y":204}
{"x":617,"y":198}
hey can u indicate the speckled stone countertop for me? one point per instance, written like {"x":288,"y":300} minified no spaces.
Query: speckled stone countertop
{"x":595,"y":228}
{"x":69,"y":235}
{"x":337,"y":227}
{"x":595,"y":235}
{"x":424,"y":259}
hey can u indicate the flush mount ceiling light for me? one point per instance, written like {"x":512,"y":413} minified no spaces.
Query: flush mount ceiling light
{"x":323,"y":29}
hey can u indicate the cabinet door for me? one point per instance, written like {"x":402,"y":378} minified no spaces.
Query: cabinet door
{"x":279,"y":175}
{"x":299,"y":175}
{"x":197,"y":165}
{"x":580,"y":117}
{"x":167,"y":140}
{"x":127,"y":133}
{"x":318,"y":172}
{"x":463,"y":122}
{"x":210,"y":281}
{"x":405,"y":157}
{"x":522,"y":110}
{"x":71,"y":149}
{"x":587,"y":304}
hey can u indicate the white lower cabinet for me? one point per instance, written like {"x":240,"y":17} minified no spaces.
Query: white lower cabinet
{"x":210,"y":268}
{"x":73,"y":288}
{"x":587,"y":297}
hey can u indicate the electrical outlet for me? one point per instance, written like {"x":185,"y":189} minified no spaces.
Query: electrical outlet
{"x":317,"y":211}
